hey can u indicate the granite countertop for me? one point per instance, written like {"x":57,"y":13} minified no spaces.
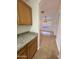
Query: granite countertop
{"x":25,"y":38}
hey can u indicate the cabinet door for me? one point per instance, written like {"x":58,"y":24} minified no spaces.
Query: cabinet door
{"x":25,"y":13}
{"x":32,"y":48}
{"x":22,"y":53}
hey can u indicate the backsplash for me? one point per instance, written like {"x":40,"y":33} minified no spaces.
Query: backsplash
{"x":23,"y":28}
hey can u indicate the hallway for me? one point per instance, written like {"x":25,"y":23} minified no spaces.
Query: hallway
{"x":48,"y":48}
{"x":49,"y":19}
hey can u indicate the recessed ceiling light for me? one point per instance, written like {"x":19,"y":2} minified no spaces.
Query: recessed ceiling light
{"x":42,"y":11}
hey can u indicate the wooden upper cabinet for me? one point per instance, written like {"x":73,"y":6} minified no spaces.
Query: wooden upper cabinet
{"x":24,"y":13}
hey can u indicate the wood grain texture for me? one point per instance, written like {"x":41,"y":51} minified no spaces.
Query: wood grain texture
{"x":32,"y":48}
{"x":25,"y":13}
{"x":22,"y":53}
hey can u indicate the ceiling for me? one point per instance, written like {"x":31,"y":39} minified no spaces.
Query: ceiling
{"x":50,"y":8}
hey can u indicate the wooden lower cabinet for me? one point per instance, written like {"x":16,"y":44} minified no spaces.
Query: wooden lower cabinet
{"x":32,"y":48}
{"x":28,"y":51}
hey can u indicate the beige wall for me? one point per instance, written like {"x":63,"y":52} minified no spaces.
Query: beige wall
{"x":58,"y":35}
